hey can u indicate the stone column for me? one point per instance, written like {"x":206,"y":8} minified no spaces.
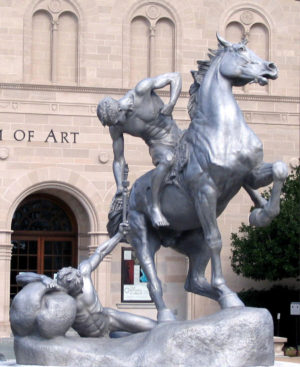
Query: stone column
{"x":101,"y":276}
{"x":5,"y":259}
{"x":54,"y":48}
{"x":152,"y":51}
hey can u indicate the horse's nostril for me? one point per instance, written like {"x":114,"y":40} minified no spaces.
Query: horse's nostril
{"x":272,"y":66}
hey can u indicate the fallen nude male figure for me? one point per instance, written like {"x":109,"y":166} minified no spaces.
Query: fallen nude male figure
{"x":49,"y":307}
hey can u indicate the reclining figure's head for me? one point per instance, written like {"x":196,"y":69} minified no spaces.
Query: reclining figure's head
{"x":70,"y":279}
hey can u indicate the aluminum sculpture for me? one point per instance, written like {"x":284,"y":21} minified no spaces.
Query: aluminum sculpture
{"x":142,"y":113}
{"x":217,"y":156}
{"x":175,"y":205}
{"x":53,"y":306}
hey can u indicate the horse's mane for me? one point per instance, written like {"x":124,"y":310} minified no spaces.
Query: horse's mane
{"x":198,"y":76}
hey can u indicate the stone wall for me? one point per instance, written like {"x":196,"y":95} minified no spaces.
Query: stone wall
{"x":60,"y":57}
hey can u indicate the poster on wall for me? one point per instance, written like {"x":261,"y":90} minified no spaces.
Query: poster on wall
{"x":134,"y":280}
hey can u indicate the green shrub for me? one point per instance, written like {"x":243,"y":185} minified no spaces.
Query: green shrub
{"x":271,"y":252}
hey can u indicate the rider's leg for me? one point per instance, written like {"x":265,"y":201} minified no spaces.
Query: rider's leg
{"x":158,"y":176}
{"x":261,"y":176}
{"x":124,"y":321}
{"x":163,"y":159}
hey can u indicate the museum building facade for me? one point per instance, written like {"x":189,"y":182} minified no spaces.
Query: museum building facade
{"x":58,"y":59}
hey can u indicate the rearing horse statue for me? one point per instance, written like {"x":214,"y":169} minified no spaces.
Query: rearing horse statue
{"x":224,"y":155}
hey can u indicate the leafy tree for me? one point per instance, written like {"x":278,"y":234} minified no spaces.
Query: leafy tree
{"x":271,"y":252}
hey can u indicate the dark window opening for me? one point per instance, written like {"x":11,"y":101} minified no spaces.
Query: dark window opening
{"x":44,"y":238}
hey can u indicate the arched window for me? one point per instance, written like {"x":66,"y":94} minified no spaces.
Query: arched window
{"x":139,"y":49}
{"x":251,"y":24}
{"x":152,"y":42}
{"x":44,"y":237}
{"x":67,"y":48}
{"x":51,"y":40}
{"x":41,"y":46}
{"x":164,"y":46}
{"x":234,"y":32}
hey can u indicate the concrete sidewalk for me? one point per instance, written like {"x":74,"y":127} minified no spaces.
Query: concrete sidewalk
{"x":7,"y":350}
{"x":295,"y":360}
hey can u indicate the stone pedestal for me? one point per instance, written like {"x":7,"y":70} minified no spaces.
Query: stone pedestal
{"x":239,"y":337}
{"x":278,"y":345}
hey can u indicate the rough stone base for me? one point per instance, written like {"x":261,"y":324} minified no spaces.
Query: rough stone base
{"x":239,"y":337}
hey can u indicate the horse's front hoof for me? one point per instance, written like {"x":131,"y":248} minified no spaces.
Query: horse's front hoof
{"x":230,"y":300}
{"x":280,"y":171}
{"x":165,"y":315}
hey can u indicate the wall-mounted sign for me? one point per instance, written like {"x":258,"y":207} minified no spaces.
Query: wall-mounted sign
{"x":134,"y":280}
{"x":295,"y":308}
{"x":50,"y":137}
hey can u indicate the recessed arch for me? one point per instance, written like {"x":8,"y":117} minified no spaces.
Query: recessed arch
{"x":44,"y":238}
{"x":41,"y":45}
{"x":256,"y":26}
{"x":164,"y":46}
{"x":139,"y":49}
{"x":234,"y":32}
{"x":153,"y":12}
{"x":55,"y":8}
{"x":59,"y":180}
{"x":228,"y":15}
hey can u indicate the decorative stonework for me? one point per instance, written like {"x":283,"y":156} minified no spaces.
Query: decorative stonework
{"x":54,"y":107}
{"x":247,"y":17}
{"x":4,"y":153}
{"x":55,"y":6}
{"x":157,"y":30}
{"x":57,"y":10}
{"x":103,"y":157}
{"x":153,"y":12}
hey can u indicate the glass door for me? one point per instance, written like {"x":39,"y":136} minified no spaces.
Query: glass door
{"x":44,"y":237}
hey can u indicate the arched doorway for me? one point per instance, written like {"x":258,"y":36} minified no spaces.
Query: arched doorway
{"x":44,"y":237}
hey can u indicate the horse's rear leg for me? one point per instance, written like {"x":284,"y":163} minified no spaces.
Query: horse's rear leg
{"x":192,"y":245}
{"x":146,"y":244}
{"x":262,"y":176}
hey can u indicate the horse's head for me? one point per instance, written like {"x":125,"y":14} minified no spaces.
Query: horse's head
{"x":242,"y":66}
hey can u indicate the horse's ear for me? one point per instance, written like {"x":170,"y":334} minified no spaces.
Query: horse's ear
{"x":222,"y":41}
{"x":244,"y":40}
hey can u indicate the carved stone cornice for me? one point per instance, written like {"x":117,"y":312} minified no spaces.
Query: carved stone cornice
{"x":62,"y":88}
{"x":118,"y":91}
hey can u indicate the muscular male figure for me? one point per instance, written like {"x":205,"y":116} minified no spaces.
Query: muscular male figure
{"x":90,"y":319}
{"x":142,"y":113}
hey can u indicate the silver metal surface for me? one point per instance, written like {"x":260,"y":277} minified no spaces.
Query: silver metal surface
{"x":47,"y":308}
{"x":224,"y":156}
{"x":176,"y":204}
{"x":239,"y":337}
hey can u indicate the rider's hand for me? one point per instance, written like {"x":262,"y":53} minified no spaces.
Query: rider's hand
{"x":119,"y":191}
{"x":167,"y":109}
{"x":124,"y":228}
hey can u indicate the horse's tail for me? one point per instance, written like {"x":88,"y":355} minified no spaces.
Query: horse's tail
{"x":115,"y":216}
